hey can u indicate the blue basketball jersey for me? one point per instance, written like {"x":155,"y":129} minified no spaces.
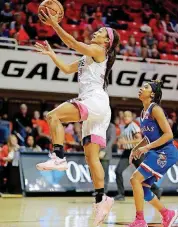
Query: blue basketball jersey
{"x":149,"y":126}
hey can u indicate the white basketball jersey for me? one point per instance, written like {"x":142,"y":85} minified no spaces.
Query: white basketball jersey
{"x":90,"y":76}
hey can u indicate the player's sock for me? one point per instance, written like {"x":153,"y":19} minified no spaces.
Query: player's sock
{"x":140,"y":215}
{"x":99,"y":195}
{"x":163,"y":211}
{"x":58,"y":150}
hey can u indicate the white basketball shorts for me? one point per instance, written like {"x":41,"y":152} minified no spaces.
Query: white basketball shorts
{"x":95,"y":114}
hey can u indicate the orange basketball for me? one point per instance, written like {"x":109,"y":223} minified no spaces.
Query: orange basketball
{"x":55,"y":8}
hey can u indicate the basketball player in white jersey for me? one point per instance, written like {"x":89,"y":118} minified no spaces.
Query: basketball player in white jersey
{"x":91,"y":107}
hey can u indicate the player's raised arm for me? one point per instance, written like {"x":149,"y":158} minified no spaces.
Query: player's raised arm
{"x":47,"y":50}
{"x":92,"y":50}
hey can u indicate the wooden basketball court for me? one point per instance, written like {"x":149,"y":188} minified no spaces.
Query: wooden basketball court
{"x":70,"y":212}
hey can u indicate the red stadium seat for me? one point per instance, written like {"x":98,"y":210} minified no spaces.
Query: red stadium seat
{"x":164,"y":56}
{"x":134,"y":26}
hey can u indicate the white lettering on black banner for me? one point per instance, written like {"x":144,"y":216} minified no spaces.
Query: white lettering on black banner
{"x":27,"y":70}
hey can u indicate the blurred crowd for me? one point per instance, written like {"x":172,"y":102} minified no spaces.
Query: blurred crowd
{"x":145,"y":27}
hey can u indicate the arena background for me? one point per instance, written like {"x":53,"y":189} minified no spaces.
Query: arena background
{"x":148,"y":50}
{"x":30,"y":78}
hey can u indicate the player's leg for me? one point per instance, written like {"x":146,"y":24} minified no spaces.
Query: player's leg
{"x":66,"y":112}
{"x":153,"y":168}
{"x":103,"y":203}
{"x":136,"y":180}
{"x":154,"y":188}
{"x":94,"y":138}
{"x":92,"y":159}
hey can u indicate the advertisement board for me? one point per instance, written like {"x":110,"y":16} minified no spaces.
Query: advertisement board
{"x":77,"y":177}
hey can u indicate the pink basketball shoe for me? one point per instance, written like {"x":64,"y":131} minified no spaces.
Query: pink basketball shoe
{"x":102,"y":209}
{"x":138,"y":223}
{"x":54,"y":163}
{"x":169,"y":218}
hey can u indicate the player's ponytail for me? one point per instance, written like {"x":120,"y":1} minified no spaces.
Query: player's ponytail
{"x":156,"y":88}
{"x":111,"y":54}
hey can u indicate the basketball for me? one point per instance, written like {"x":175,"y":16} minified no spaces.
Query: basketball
{"x":55,"y":8}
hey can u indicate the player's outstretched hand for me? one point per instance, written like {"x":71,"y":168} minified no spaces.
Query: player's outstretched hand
{"x":44,"y":49}
{"x":47,"y":18}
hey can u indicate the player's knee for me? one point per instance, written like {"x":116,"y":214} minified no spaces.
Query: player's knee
{"x":134,"y":180}
{"x":51,"y":117}
{"x":148,"y":194}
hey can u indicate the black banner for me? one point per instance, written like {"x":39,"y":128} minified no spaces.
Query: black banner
{"x":77,"y":177}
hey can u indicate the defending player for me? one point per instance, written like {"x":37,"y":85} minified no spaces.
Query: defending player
{"x":160,"y":155}
{"x":91,"y":107}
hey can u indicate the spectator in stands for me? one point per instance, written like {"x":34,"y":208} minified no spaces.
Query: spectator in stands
{"x":146,"y":13}
{"x":32,"y":7}
{"x":6,"y":14}
{"x":97,"y":23}
{"x":17,"y":20}
{"x":131,"y":49}
{"x":22,"y":121}
{"x":43,"y":127}
{"x":174,"y":119}
{"x":43,"y":31}
{"x":19,"y":34}
{"x":14,"y":185}
{"x":143,"y":43}
{"x":69,"y":139}
{"x":166,"y":45}
{"x":84,"y":11}
{"x":167,"y":24}
{"x":121,"y":13}
{"x":3,"y":154}
{"x":30,"y":28}
{"x":18,"y":10}
{"x":154,"y":53}
{"x":4,"y":32}
{"x":144,"y":48}
{"x":117,"y":122}
{"x":109,"y":16}
{"x":153,"y":21}
{"x":44,"y":139}
{"x":157,"y":27}
{"x":77,"y":133}
{"x":150,"y":39}
{"x":31,"y":144}
{"x":71,"y":15}
{"x":171,"y":44}
{"x":36,"y":121}
{"x":5,"y":129}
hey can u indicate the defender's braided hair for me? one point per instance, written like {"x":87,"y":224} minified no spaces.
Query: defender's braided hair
{"x":156,"y":88}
